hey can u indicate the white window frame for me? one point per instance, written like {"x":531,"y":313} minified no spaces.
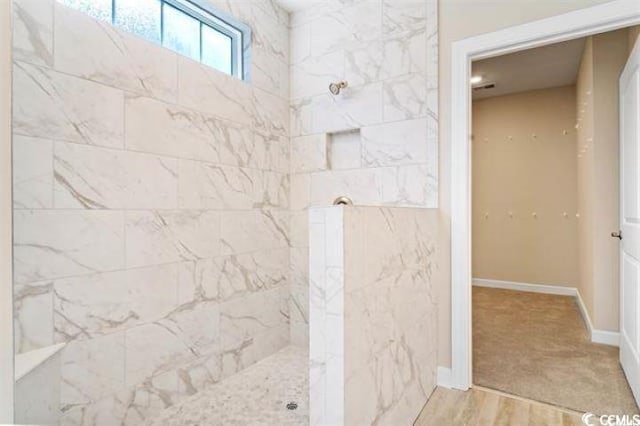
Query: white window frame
{"x":206,"y":15}
{"x":239,"y":33}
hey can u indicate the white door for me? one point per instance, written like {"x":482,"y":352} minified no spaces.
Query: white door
{"x":630,"y":221}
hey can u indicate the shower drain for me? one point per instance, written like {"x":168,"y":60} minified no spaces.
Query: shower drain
{"x":292,"y":406}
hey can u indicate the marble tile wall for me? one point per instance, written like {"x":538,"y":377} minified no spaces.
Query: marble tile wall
{"x":151,"y":209}
{"x":372,"y":314}
{"x":387,"y":51}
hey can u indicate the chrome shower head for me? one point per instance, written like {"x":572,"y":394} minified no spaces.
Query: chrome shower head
{"x":335,"y":88}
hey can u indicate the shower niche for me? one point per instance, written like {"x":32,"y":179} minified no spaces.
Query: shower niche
{"x":344,"y":150}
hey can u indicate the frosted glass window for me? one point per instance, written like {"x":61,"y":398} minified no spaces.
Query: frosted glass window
{"x":140,"y":17}
{"x":99,"y":9}
{"x":190,"y":27}
{"x":216,"y":49}
{"x":181,"y":32}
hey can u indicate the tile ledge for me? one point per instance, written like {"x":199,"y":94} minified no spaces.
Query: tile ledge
{"x":26,"y":362}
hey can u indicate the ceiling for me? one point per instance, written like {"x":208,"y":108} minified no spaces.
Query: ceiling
{"x":540,"y":68}
{"x":296,"y":5}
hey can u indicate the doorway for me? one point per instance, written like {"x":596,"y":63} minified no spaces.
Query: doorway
{"x":570,"y":26}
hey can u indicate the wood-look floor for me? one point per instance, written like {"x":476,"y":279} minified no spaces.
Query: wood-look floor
{"x":485,"y":407}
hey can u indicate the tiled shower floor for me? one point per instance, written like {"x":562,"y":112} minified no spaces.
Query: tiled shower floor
{"x":257,"y":395}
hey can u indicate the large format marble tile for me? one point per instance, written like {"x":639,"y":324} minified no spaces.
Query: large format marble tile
{"x":271,"y":24}
{"x":404,"y":55}
{"x":226,"y":278}
{"x":299,"y":43}
{"x":151,"y":205}
{"x":126,"y":407}
{"x":405,"y":34}
{"x":270,"y":152}
{"x":357,"y":107}
{"x":405,"y":97}
{"x":155,"y":237}
{"x":33,"y":31}
{"x":210,"y":186}
{"x":210,"y":91}
{"x":199,"y":281}
{"x":197,"y":326}
{"x":299,"y":305}
{"x":299,"y":266}
{"x":391,"y":65}
{"x":247,"y":231}
{"x":253,"y":349}
{"x":183,"y":133}
{"x":33,"y":316}
{"x":326,"y":253}
{"x":132,"y":405}
{"x":58,"y":243}
{"x":200,"y":374}
{"x":299,"y":229}
{"x":364,"y":62}
{"x":402,"y":142}
{"x":252,"y":272}
{"x":309,"y":153}
{"x":363,"y":186}
{"x":97,"y":178}
{"x":98,"y":51}
{"x":91,"y":370}
{"x":242,"y":319}
{"x":300,"y":191}
{"x":153,"y":349}
{"x":392,"y":302}
{"x":312,"y":74}
{"x":32,"y":172}
{"x":410,"y":185}
{"x":370,"y":300}
{"x":351,"y":24}
{"x":52,"y":105}
{"x":403,"y":17}
{"x":94,"y":305}
{"x":271,"y":113}
{"x":272,"y":190}
{"x":270,"y":72}
{"x":301,"y":116}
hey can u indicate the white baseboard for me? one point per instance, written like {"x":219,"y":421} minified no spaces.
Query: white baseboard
{"x":611,"y":338}
{"x":584,"y":313}
{"x":444,"y":377}
{"x":534,"y":288}
{"x":604,"y":337}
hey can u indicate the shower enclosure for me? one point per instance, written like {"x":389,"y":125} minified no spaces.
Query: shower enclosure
{"x":371,"y":314}
{"x":172,"y":244}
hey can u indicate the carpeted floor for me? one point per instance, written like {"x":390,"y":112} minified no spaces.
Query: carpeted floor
{"x":537,"y":346}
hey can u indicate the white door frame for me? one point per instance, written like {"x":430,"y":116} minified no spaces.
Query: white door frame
{"x":580,"y":23}
{"x":6,"y":206}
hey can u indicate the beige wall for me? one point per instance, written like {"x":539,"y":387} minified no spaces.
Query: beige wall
{"x":598,"y":174}
{"x":584,"y":108}
{"x":634,"y":36}
{"x":524,"y":162}
{"x":459,"y":19}
{"x":6,"y":296}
